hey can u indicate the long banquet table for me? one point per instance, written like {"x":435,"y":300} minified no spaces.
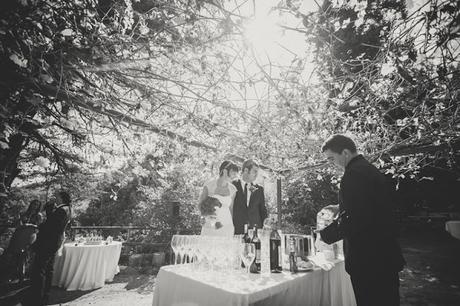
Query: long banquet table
{"x":86,"y":267}
{"x":182,"y":286}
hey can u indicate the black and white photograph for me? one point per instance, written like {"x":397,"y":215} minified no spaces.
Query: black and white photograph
{"x":230,"y":152}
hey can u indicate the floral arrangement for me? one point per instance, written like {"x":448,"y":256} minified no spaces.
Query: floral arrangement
{"x":253,"y":188}
{"x":208,"y":208}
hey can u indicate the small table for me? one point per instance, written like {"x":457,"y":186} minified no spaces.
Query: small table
{"x":453,"y":227}
{"x":86,"y":267}
{"x":180,"y":285}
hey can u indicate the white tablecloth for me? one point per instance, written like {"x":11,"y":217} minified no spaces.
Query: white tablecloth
{"x":86,"y":267}
{"x":453,"y":227}
{"x":180,"y":286}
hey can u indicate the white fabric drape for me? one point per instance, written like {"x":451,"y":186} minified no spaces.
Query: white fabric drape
{"x":181,"y":286}
{"x":86,"y":267}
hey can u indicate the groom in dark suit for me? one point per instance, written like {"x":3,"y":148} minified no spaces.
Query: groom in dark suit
{"x":249,"y":205}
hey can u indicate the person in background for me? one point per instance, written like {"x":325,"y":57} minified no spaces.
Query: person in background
{"x":367,"y":225}
{"x":33,"y":214}
{"x":14,"y":261}
{"x":49,"y":240}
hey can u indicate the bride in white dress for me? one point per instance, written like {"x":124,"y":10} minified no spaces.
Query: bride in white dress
{"x":223,"y":190}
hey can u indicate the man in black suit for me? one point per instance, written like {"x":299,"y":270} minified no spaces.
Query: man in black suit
{"x":249,"y":205}
{"x":49,"y":240}
{"x":372,"y":253}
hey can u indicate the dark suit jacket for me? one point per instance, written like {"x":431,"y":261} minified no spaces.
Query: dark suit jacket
{"x":51,"y":232}
{"x":255,"y":213}
{"x":369,"y":229}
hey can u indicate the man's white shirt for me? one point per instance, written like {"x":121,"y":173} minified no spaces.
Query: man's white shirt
{"x":248,"y":188}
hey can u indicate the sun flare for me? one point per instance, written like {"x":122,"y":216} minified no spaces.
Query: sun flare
{"x":262,"y":32}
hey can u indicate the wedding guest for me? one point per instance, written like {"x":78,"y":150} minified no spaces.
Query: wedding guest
{"x":372,"y":253}
{"x":33,"y":215}
{"x":49,"y":240}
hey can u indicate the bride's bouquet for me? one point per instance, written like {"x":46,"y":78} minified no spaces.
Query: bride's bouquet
{"x":208,"y":209}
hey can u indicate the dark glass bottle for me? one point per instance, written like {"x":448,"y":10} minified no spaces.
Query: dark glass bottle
{"x":246,"y":238}
{"x":256,"y":241}
{"x":292,"y":258}
{"x":275,"y":252}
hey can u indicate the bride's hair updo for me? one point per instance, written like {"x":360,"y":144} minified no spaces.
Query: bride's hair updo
{"x":229,"y":166}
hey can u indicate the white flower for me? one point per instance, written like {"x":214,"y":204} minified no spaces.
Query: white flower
{"x":387,"y":68}
{"x":45,"y":77}
{"x":67,"y":32}
{"x":19,"y":60}
{"x":67,"y":123}
{"x":43,"y":162}
{"x":4,"y":145}
{"x":359,"y":22}
{"x":143,"y":29}
{"x":360,"y":6}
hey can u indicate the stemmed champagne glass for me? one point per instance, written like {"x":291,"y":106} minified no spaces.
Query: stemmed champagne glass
{"x":192,"y":246}
{"x":247,"y":254}
{"x":176,"y":245}
{"x":185,"y":248}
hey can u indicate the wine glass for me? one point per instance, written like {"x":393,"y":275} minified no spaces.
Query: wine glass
{"x":207,"y":247}
{"x":176,"y":244}
{"x":186,"y":249}
{"x":192,"y":248}
{"x":247,"y":254}
{"x":235,"y":252}
{"x":197,"y":254}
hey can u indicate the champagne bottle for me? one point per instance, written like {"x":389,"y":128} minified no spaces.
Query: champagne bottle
{"x":256,"y":241}
{"x":246,"y":238}
{"x":292,"y":258}
{"x":275,"y":252}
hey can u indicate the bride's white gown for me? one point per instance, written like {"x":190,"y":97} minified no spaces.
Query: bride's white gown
{"x":223,"y":214}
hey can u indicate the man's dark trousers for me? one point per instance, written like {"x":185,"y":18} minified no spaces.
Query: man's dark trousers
{"x":376,"y":289}
{"x":42,"y":275}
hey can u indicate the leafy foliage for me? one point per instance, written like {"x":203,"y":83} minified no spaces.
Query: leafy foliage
{"x":392,"y":79}
{"x":306,"y":196}
{"x":90,"y":89}
{"x":143,"y":194}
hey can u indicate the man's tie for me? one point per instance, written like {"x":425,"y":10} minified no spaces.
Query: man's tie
{"x":246,"y":193}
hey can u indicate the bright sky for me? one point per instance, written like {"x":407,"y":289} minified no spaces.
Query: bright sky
{"x":271,"y":46}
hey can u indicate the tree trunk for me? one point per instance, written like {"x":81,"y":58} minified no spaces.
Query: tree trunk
{"x":9,"y":162}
